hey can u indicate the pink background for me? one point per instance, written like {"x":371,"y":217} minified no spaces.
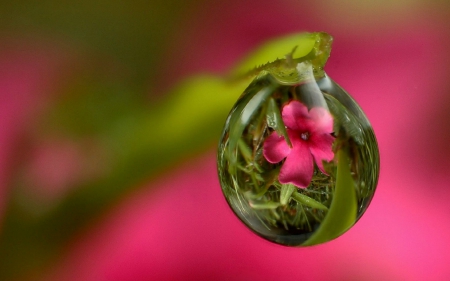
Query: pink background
{"x":395,"y":65}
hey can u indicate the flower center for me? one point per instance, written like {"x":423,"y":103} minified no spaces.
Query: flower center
{"x":305,"y":136}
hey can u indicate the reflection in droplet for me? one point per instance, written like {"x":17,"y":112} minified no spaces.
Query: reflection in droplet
{"x":298,"y":162}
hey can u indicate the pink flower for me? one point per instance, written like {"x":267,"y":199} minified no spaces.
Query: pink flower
{"x":310,"y":135}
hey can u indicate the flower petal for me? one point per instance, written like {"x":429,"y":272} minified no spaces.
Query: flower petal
{"x":323,"y":121}
{"x":321,"y":148}
{"x":295,"y":116}
{"x":298,"y":167}
{"x":275,"y":148}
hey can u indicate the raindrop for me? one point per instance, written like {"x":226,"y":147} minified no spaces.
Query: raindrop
{"x":298,"y":161}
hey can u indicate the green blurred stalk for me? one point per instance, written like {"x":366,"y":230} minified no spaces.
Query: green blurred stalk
{"x":140,"y":140}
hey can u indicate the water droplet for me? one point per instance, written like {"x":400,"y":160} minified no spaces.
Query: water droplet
{"x":286,"y":189}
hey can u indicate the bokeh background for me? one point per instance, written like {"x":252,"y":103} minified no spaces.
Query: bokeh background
{"x":107,"y":161}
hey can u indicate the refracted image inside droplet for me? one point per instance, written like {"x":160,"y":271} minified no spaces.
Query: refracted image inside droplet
{"x":298,"y":160}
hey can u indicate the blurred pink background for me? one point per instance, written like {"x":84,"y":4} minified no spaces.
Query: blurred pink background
{"x":392,"y":57}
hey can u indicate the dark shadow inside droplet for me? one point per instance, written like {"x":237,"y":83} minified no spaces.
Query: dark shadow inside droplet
{"x":279,"y":235}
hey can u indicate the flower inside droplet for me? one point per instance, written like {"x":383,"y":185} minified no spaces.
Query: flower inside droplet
{"x":310,"y":134}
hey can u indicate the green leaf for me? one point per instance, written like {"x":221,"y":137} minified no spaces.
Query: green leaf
{"x":283,"y":56}
{"x":247,"y":106}
{"x":262,"y":206}
{"x":308,"y":201}
{"x":277,"y":49}
{"x":245,"y":151}
{"x":343,"y":209}
{"x":275,"y":121}
{"x":286,"y":192}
